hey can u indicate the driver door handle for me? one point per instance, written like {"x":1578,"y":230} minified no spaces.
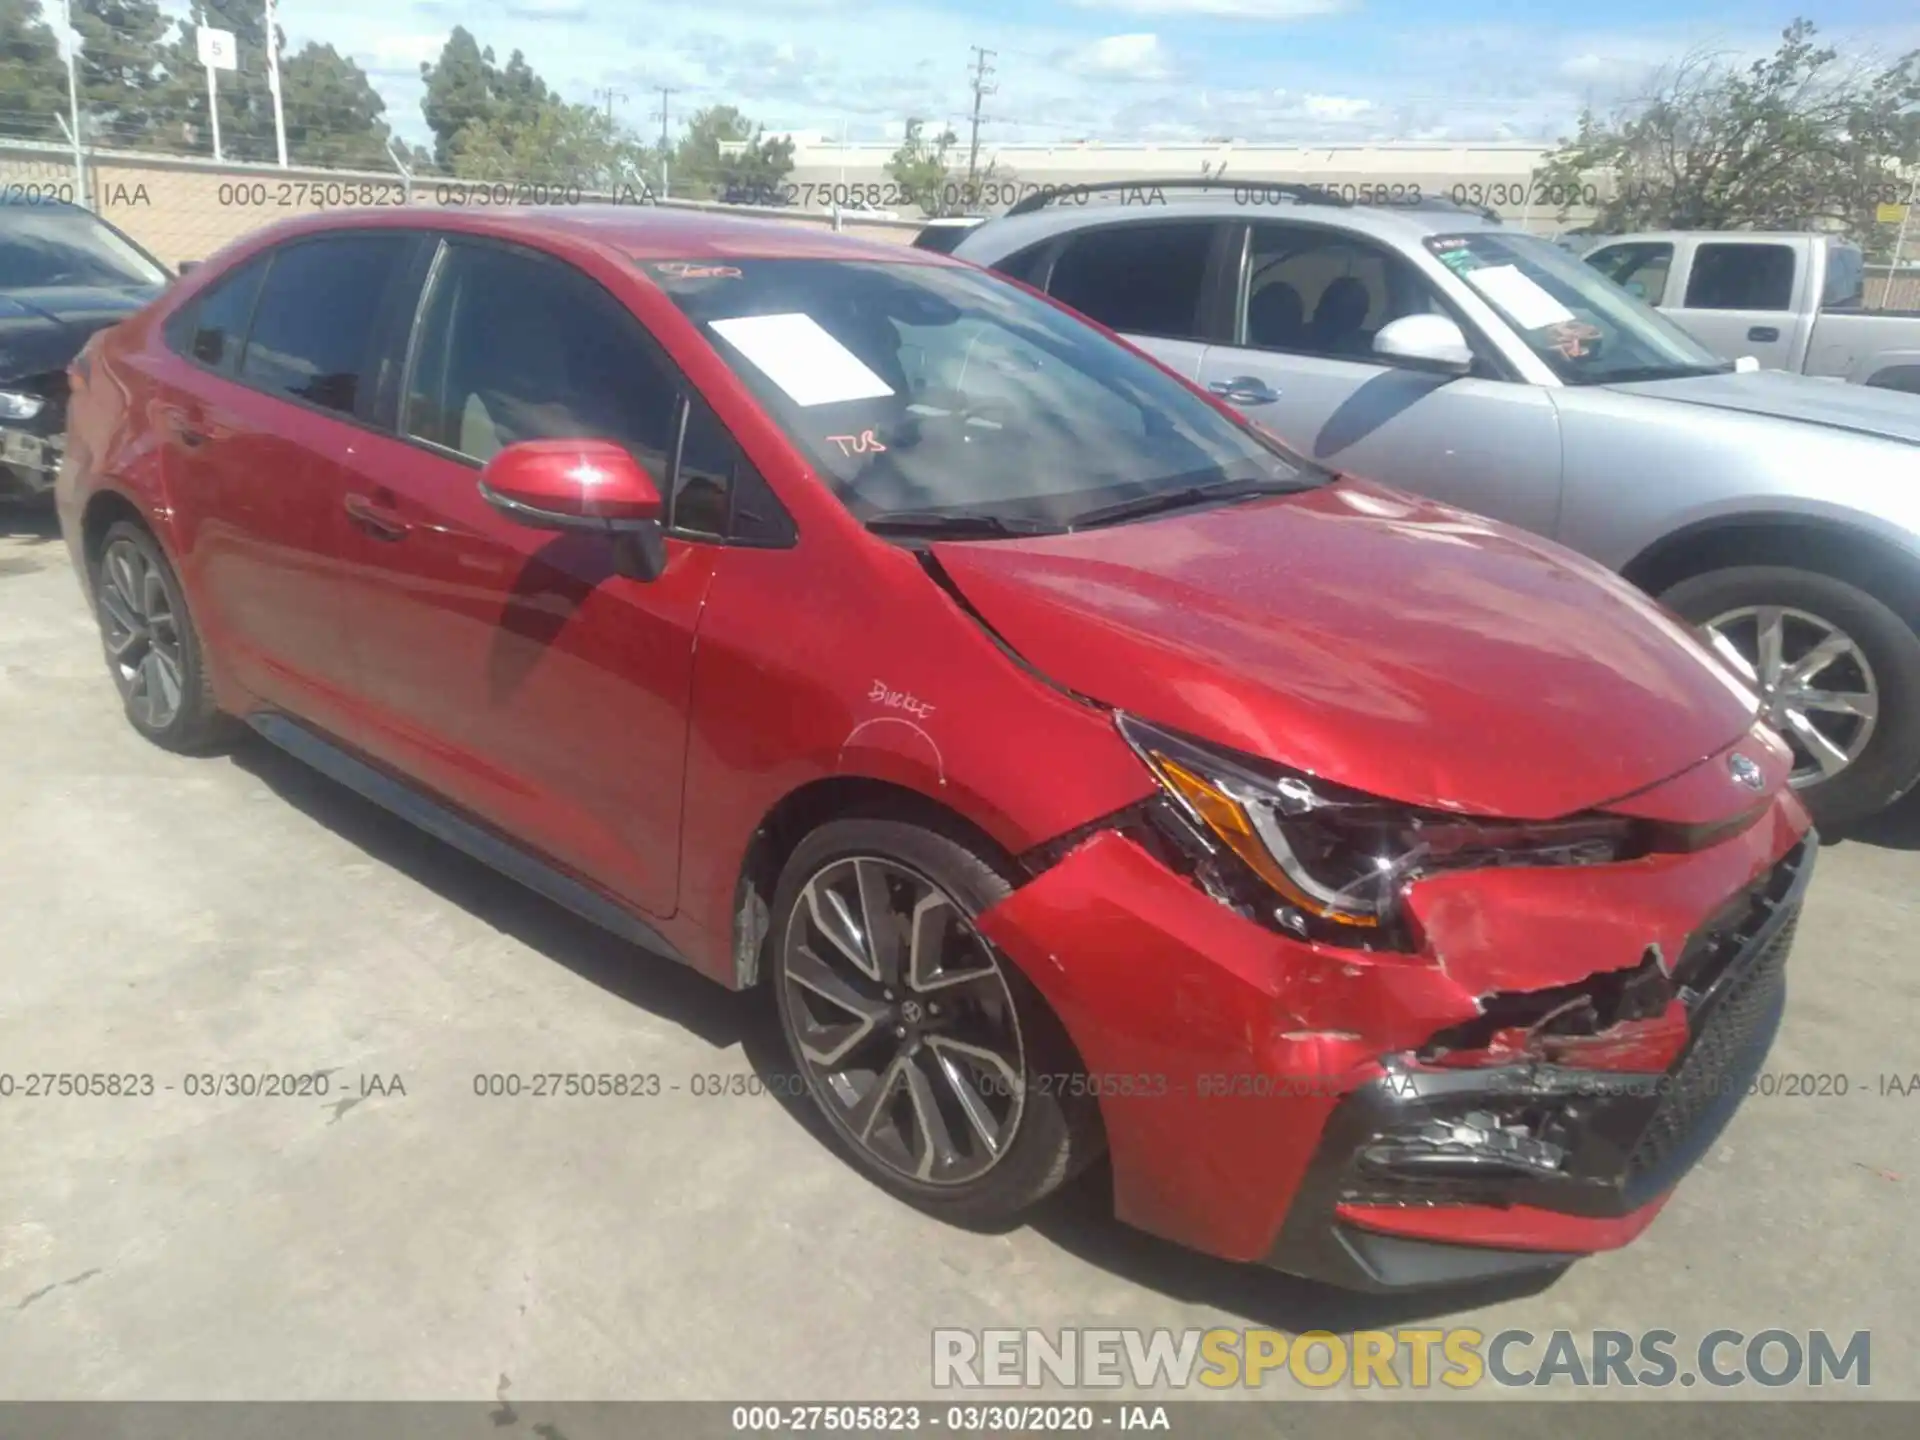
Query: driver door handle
{"x":1244,"y":390}
{"x":379,"y":521}
{"x":1764,"y":332}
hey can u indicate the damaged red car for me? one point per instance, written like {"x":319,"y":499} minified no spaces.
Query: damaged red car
{"x":1394,"y":897}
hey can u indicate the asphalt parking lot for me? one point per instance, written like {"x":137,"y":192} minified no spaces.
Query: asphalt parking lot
{"x":403,"y":1238}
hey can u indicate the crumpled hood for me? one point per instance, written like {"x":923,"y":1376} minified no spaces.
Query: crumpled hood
{"x":1891,"y":414}
{"x":1382,"y":641}
{"x":43,"y":329}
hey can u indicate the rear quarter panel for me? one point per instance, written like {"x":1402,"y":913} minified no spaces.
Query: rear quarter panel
{"x":1858,"y":345}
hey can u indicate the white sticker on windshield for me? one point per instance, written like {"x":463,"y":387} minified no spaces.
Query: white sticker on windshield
{"x":1526,"y":304}
{"x":802,"y":359}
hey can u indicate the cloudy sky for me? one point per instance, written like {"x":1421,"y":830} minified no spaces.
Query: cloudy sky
{"x":1283,"y":70}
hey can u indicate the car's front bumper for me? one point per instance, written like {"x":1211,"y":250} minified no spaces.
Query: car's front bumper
{"x":31,"y":449}
{"x":32,"y":461}
{"x":1264,"y":1099}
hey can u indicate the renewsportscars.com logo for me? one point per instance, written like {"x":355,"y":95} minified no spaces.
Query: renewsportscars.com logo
{"x":1458,"y":1358}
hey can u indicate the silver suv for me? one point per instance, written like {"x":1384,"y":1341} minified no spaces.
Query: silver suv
{"x":1438,"y":350}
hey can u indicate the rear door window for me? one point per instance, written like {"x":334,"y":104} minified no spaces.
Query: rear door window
{"x":1741,"y":276}
{"x":1138,"y":279}
{"x":314,"y":325}
{"x":1846,"y":285}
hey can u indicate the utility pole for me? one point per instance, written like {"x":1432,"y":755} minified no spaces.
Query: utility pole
{"x":978,"y":79}
{"x":665,"y":94}
{"x":611,"y":95}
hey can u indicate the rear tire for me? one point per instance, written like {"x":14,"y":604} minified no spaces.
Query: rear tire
{"x":153,"y":650}
{"x":1883,"y":663}
{"x":922,"y":999}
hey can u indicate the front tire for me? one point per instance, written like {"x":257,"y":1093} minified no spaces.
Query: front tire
{"x":153,"y":650}
{"x":1838,"y":673}
{"x":939,"y":1069}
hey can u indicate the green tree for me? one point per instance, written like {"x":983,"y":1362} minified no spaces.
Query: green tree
{"x":466,"y":91}
{"x":560,"y":144}
{"x":333,"y":114}
{"x":459,"y":91}
{"x":1796,"y":141}
{"x":919,"y":167}
{"x":520,"y":97}
{"x":122,"y":84}
{"x":33,"y":76}
{"x":246,"y":103}
{"x":701,"y":169}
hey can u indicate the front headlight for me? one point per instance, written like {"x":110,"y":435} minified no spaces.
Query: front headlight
{"x":1337,"y":860}
{"x":18,"y":405}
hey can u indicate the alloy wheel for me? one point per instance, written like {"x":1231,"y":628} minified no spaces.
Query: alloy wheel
{"x":141,"y":634}
{"x":1816,"y":686}
{"x":900,"y":1011}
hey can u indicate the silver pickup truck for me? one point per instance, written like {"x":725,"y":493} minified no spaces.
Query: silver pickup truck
{"x":1792,"y":302}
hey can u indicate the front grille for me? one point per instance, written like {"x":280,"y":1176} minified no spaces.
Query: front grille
{"x":1720,"y":1062}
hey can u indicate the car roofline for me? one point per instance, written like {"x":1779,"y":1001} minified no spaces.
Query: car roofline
{"x":1006,"y":234}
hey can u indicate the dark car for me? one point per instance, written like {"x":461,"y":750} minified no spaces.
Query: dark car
{"x":1394,"y":896}
{"x":64,"y":273}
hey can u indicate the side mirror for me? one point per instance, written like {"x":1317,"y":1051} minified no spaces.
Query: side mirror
{"x":1424,"y":342}
{"x":581,"y":485}
{"x":1746,"y":365}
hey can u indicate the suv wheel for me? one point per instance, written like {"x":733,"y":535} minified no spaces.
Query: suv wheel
{"x":1838,"y":675}
{"x":153,"y":651}
{"x":937,"y":1065}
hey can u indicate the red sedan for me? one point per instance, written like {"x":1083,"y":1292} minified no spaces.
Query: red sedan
{"x":1394,"y":897}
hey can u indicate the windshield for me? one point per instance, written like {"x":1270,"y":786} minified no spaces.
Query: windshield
{"x":42,"y":246}
{"x":931,"y":390}
{"x":1585,"y":327}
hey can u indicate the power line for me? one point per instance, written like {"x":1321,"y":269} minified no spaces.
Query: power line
{"x":609,"y":94}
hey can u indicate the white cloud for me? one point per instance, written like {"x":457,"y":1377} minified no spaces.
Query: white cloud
{"x":817,"y":65}
{"x":1122,"y":57}
{"x":1335,"y":107}
{"x":546,"y":9}
{"x":393,"y":50}
{"x":1226,"y":9}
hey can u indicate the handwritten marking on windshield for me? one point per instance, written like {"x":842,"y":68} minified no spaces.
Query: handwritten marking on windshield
{"x":861,"y":444}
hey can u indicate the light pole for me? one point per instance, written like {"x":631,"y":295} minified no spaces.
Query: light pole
{"x":273,"y":84}
{"x":73,"y":106}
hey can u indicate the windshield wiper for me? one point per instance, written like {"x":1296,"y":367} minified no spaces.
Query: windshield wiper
{"x":1181,"y":499}
{"x":932,"y":522}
